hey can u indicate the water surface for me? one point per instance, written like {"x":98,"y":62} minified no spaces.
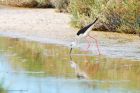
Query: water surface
{"x":32,"y":67}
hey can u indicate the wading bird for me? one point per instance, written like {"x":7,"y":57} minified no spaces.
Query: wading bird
{"x":84,"y":33}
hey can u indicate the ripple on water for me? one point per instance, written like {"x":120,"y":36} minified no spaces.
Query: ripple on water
{"x":46,"y":68}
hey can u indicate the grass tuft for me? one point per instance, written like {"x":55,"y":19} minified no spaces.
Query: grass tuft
{"x":61,"y":5}
{"x":123,"y":16}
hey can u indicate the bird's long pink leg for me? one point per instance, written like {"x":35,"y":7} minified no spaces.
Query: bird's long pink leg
{"x":96,"y":43}
{"x":88,"y":43}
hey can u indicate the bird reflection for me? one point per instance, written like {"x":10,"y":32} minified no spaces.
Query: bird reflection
{"x":80,"y":74}
{"x":90,"y":69}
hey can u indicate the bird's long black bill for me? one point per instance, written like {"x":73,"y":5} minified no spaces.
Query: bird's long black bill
{"x":70,"y":54}
{"x":70,"y":51}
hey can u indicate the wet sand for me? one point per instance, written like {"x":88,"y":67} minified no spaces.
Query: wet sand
{"x":46,"y":25}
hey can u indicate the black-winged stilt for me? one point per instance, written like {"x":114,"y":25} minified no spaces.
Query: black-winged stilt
{"x":84,"y":33}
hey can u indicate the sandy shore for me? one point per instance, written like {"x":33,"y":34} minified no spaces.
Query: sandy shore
{"x":36,"y":22}
{"x":46,"y":23}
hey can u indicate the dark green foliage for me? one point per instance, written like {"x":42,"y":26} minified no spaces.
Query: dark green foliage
{"x":61,"y":5}
{"x":119,"y":17}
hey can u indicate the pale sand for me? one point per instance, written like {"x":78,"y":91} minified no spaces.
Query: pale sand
{"x":36,"y":22}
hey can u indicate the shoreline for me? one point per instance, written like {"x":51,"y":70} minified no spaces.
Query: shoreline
{"x":48,"y":26}
{"x":114,"y":51}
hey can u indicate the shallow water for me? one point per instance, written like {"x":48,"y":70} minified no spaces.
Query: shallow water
{"x":31,"y":67}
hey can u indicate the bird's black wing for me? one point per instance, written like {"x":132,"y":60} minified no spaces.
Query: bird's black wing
{"x":83,"y":30}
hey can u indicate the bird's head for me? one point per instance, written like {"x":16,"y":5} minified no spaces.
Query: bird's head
{"x":72,"y":45}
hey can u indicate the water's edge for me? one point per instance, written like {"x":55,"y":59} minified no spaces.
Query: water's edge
{"x":125,"y":51}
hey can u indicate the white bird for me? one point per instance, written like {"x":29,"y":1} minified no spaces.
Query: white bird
{"x":84,"y":33}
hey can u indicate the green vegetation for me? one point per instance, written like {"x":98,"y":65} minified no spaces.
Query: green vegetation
{"x":61,"y":5}
{"x":84,"y":11}
{"x":115,"y":15}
